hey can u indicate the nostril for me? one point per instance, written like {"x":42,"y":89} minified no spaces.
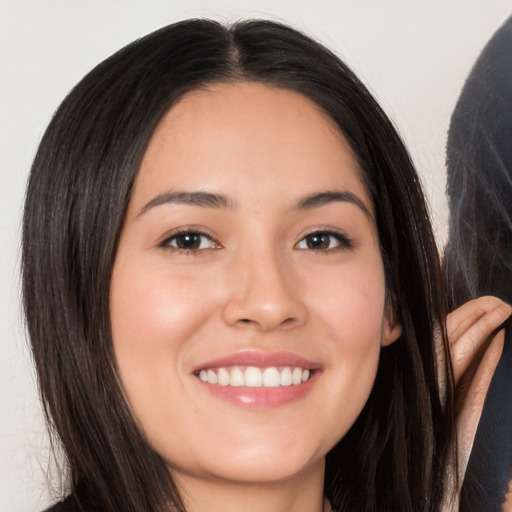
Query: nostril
{"x":286,"y":322}
{"x":253,"y":312}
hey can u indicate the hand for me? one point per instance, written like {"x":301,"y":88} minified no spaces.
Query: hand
{"x":476,"y":345}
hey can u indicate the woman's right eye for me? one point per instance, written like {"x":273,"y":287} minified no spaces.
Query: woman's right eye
{"x":190,"y":241}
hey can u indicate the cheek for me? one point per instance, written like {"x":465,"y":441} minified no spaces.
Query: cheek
{"x":351,"y":304}
{"x":153,"y":315}
{"x":151,"y":301}
{"x":349,"y":309}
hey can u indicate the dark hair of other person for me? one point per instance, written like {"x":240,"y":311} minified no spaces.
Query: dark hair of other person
{"x":478,"y":255}
{"x":394,"y":457}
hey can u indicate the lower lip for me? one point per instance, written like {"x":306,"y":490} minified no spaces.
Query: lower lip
{"x":262,"y":397}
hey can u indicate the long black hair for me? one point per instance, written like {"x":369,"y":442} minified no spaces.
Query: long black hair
{"x":394,"y":456}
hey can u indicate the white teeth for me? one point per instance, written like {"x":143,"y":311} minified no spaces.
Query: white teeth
{"x":255,"y":377}
{"x":212,"y":377}
{"x":237,"y":378}
{"x":271,"y":378}
{"x":296,"y":376}
{"x":223,"y":377}
{"x":286,"y":377}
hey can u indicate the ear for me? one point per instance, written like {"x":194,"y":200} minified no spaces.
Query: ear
{"x":391,"y":327}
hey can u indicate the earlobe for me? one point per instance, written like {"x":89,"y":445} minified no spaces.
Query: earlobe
{"x":390,"y":333}
{"x":391,"y":328}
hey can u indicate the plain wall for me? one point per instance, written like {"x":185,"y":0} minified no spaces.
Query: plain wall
{"x":414,"y":56}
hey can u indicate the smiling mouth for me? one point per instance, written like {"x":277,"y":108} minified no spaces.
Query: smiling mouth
{"x":255,"y":377}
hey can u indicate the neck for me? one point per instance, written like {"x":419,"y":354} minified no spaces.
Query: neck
{"x":301,"y":493}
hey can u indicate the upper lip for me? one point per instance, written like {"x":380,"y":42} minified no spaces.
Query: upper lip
{"x":259,"y":359}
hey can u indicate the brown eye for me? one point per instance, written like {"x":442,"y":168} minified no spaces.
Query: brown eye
{"x":324,"y":241}
{"x":190,"y":241}
{"x":318,"y":241}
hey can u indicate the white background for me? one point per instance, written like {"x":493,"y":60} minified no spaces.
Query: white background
{"x":414,"y":55}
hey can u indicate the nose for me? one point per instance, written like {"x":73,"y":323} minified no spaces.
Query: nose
{"x":264,"y":295}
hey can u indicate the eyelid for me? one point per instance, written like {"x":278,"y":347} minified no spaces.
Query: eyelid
{"x":346,"y":242}
{"x":183,"y":230}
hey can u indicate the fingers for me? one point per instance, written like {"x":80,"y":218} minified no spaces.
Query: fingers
{"x":460,"y":320}
{"x":471,"y":393}
{"x":470,"y":328}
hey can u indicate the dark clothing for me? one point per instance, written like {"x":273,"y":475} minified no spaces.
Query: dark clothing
{"x":74,"y":504}
{"x":478,"y":258}
{"x":68,"y":505}
{"x":489,"y":468}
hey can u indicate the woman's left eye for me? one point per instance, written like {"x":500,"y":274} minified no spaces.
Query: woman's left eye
{"x":324,"y":241}
{"x":190,"y":241}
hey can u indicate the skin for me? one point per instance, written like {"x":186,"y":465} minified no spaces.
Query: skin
{"x":475,"y":354}
{"x":253,"y":284}
{"x":476,"y":346}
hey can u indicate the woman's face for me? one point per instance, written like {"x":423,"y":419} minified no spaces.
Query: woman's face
{"x":248,"y":295}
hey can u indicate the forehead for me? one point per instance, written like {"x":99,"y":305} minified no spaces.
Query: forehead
{"x":234,"y":136}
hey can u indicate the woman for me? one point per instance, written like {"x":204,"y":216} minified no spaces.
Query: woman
{"x":241,"y":284}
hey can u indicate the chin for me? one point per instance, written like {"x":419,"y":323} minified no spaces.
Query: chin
{"x":259,"y":470}
{"x":253,"y":463}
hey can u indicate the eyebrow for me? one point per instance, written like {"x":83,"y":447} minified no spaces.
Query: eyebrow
{"x":332,"y":196}
{"x":215,"y":200}
{"x":204,"y":199}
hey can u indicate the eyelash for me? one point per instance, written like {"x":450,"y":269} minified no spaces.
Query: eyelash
{"x":191,"y":232}
{"x":344,"y":241}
